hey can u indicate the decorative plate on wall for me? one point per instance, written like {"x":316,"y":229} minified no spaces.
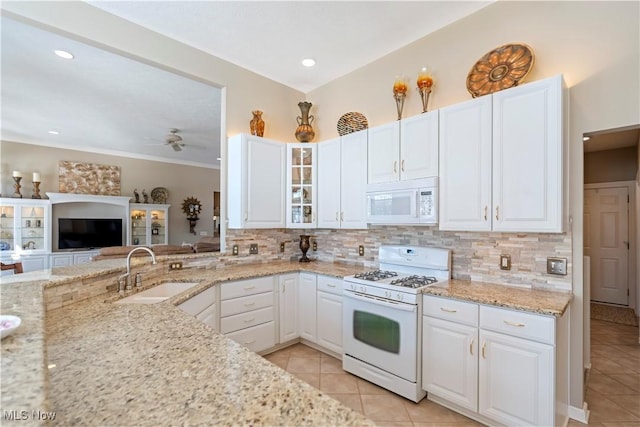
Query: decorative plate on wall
{"x":351,"y":122}
{"x":159,"y":195}
{"x":502,"y":68}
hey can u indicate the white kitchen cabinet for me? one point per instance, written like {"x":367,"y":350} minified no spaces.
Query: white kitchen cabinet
{"x":501,"y":160}
{"x":301,"y":185}
{"x":403,"y":150}
{"x":247,"y":312}
{"x":495,"y":365}
{"x":65,"y":259}
{"x":307,"y":306}
{"x":450,"y":356}
{"x":288,"y":308}
{"x":329,"y":316}
{"x":256,"y":182}
{"x":149,"y":224}
{"x":342,"y":193}
{"x":203,"y":306}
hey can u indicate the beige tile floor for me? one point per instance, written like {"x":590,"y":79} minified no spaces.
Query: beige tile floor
{"x":613,"y":390}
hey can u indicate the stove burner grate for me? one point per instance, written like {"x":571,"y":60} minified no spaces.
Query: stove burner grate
{"x":375,"y":275}
{"x":414,"y":281}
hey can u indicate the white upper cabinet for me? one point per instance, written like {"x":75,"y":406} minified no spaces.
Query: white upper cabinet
{"x":301,"y":185}
{"x":501,"y":161}
{"x":342,"y":180}
{"x":528,"y":157}
{"x":403,"y":150}
{"x":256,"y":182}
{"x":465,"y":166}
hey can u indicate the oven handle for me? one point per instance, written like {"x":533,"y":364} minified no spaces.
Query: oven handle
{"x":386,"y":303}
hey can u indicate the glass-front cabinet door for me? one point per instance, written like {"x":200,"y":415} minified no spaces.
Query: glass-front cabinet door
{"x":301,"y":189}
{"x":149,"y":224}
{"x":25,"y":225}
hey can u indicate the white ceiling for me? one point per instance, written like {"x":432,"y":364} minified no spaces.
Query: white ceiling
{"x":105,"y":103}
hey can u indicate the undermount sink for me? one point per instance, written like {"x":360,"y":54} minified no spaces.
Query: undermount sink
{"x":158,"y":293}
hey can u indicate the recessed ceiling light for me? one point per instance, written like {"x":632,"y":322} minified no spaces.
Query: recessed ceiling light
{"x":54,"y":132}
{"x":586,"y":138}
{"x":308,"y":62}
{"x":219,"y":158}
{"x":63,"y":54}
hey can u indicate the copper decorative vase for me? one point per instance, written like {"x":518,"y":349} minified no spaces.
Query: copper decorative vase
{"x":304,"y":247}
{"x":304,"y":132}
{"x":257,"y":124}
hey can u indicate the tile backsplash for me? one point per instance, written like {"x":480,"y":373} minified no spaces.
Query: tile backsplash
{"x":475,"y":255}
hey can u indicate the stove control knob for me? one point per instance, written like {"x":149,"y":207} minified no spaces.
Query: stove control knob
{"x":363,"y":289}
{"x":387,"y":294}
{"x":353,"y":287}
{"x":399,"y":296}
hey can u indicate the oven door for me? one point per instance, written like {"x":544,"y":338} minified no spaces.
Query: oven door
{"x":381,"y":333}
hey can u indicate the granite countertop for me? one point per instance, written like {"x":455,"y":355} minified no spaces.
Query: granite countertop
{"x":94,"y":362}
{"x":552,"y":303}
{"x":134,"y":364}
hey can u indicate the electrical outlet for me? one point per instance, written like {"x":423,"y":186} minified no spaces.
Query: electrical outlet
{"x":235,"y":249}
{"x":253,"y":248}
{"x":315,"y":246}
{"x":282,"y":247}
{"x":361,"y":250}
{"x":557,"y":266}
{"x":204,"y":233}
{"x":177,"y":265}
{"x":505,"y":262}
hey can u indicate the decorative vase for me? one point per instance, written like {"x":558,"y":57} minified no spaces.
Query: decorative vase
{"x":257,"y":124}
{"x":304,"y":247}
{"x":304,"y":132}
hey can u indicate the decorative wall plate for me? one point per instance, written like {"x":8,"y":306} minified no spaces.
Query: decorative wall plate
{"x":159,"y":195}
{"x":502,"y":68}
{"x":351,"y":122}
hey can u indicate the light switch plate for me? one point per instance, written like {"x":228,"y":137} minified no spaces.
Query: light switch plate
{"x":361,"y":250}
{"x":557,"y":266}
{"x":315,"y":246}
{"x":505,"y":262}
{"x":235,"y":249}
{"x":282,"y":247}
{"x":253,"y":248}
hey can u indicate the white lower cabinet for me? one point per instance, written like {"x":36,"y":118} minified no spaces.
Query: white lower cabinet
{"x":65,"y":259}
{"x":307,"y":307}
{"x":329,"y":316}
{"x":247,"y":312}
{"x":288,"y":309}
{"x":495,"y":365}
{"x":203,"y":306}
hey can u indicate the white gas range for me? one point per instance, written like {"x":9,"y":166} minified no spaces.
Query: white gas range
{"x":382,"y":334}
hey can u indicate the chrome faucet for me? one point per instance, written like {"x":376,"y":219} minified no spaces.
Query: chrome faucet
{"x":125,"y":278}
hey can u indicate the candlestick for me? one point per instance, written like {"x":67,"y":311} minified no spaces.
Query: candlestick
{"x":17,"y":186}
{"x":399,"y":94}
{"x":36,"y":177}
{"x":424,"y":82}
{"x":17,"y":174}
{"x":36,"y":190}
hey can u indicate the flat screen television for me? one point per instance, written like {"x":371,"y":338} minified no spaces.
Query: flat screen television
{"x":88,"y":233}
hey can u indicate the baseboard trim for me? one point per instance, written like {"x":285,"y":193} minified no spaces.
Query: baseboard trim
{"x":579,"y":414}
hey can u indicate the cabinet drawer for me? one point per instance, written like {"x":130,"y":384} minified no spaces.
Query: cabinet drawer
{"x":245,"y":304}
{"x":208,"y":316}
{"x":333,"y":285}
{"x":246,"y":287}
{"x":523,"y":325}
{"x":450,"y":309}
{"x":245,"y":320}
{"x":257,"y":338}
{"x":198,"y":303}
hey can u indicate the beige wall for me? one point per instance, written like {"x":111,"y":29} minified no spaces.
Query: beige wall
{"x":181,"y":181}
{"x":611,"y":165}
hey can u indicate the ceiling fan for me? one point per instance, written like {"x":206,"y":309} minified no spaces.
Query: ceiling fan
{"x":174,"y":140}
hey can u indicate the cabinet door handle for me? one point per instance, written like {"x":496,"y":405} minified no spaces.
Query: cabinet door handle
{"x":341,"y":216}
{"x":249,"y":304}
{"x":248,"y":288}
{"x":402,"y":165}
{"x":395,"y":166}
{"x":519,"y":325}
{"x":246,"y":216}
{"x":485,"y":212}
{"x":471,"y":347}
{"x":497,"y":213}
{"x":330,"y":285}
{"x":249,"y":342}
{"x":337,"y":219}
{"x":250,"y":320}
{"x":484,"y":344}
{"x":448,"y":310}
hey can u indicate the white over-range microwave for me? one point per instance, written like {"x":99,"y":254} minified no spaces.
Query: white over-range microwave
{"x":403,"y":202}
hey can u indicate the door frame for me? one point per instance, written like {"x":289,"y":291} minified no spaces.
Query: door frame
{"x":631,"y":264}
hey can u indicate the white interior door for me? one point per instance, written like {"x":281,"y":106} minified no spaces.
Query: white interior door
{"x":606,"y":241}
